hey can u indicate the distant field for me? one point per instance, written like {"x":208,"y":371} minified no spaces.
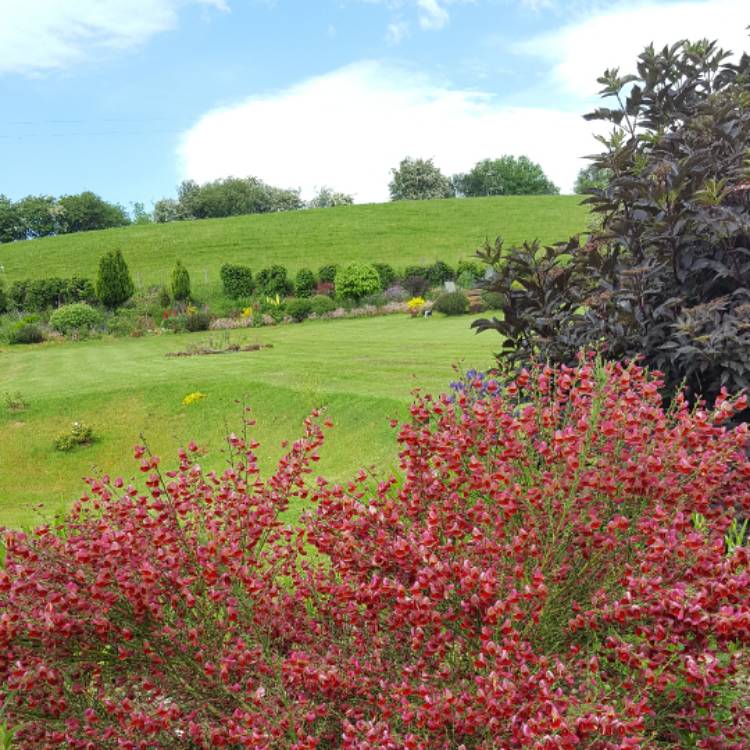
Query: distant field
{"x":398,"y":233}
{"x":362,"y":371}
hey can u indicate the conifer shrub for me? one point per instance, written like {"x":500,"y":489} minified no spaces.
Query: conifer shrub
{"x":180,"y":283}
{"x":555,"y":568}
{"x":114,"y":286}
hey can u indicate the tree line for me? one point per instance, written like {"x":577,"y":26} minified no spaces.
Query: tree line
{"x":413,"y":179}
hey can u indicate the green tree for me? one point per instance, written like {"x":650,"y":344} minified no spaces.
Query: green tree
{"x":327,"y":198}
{"x":180,"y":282}
{"x":39,"y":215}
{"x":166,"y":209}
{"x":508,"y":175}
{"x":140,"y":215}
{"x":592,"y":177}
{"x":113,"y":283}
{"x":419,"y":179}
{"x":87,"y":211}
{"x":11,"y":224}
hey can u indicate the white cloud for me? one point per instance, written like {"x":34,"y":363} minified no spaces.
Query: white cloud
{"x":397,"y":32}
{"x":582,"y":50}
{"x":349,"y":127}
{"x":432,"y":15}
{"x":39,"y":35}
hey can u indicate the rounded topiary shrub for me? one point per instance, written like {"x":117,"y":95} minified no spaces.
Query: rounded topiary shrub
{"x":321,"y":304}
{"x":452,"y":303}
{"x":76,"y":317}
{"x":356,"y":280}
{"x":299,"y":308}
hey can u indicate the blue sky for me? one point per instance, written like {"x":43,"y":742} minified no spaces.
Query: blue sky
{"x":128,"y":97}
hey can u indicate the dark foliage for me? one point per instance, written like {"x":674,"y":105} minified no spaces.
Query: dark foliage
{"x":439,"y":272}
{"x":327,"y":273}
{"x":272,"y":281}
{"x":386,"y":273}
{"x":667,"y":276}
{"x":37,"y":295}
{"x":237,"y":281}
{"x":26,"y":333}
{"x":198,"y":321}
{"x":416,"y":285}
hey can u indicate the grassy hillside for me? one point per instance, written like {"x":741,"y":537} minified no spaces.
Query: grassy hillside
{"x":361,"y":370}
{"x":397,"y":233}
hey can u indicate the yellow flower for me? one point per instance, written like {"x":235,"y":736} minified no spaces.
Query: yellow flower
{"x":415,"y":303}
{"x":191,"y":398}
{"x":247,"y":312}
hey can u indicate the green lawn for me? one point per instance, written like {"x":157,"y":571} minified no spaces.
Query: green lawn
{"x":407,"y":232}
{"x":361,"y":370}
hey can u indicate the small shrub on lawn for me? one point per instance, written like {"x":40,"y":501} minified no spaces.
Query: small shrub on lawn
{"x":493,"y":300}
{"x":356,"y":280}
{"x":538,"y":578}
{"x":197,"y":321}
{"x":451,"y":303}
{"x":15,"y":401}
{"x":298,"y":308}
{"x":25,"y":333}
{"x":304,"y":285}
{"x":78,"y":317}
{"x":4,"y":298}
{"x":321,"y":304}
{"x":237,"y":281}
{"x":79,"y":433}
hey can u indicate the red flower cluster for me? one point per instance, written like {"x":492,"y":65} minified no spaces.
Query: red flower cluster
{"x":550,"y":572}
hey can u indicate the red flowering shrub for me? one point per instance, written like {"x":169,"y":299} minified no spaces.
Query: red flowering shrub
{"x":552,"y":572}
